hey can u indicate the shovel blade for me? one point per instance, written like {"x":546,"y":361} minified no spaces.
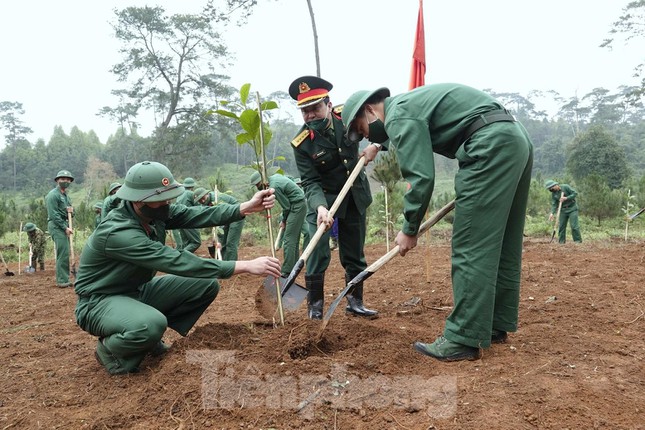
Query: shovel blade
{"x":266,"y":299}
{"x":30,"y":269}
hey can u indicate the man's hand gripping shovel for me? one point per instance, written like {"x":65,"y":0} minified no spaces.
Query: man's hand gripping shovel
{"x":370,"y":270}
{"x":292,"y":295}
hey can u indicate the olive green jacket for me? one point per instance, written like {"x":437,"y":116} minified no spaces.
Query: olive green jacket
{"x":421,"y":122}
{"x":57,"y":203}
{"x":109,"y":203}
{"x":287,"y":193}
{"x":569,"y":205}
{"x":124,"y":253}
{"x":324,"y":163}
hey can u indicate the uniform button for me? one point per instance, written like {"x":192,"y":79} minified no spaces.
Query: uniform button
{"x":345,"y":161}
{"x":348,"y":173}
{"x":340,"y":150}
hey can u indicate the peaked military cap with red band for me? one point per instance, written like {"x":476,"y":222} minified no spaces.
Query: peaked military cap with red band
{"x":309,"y":90}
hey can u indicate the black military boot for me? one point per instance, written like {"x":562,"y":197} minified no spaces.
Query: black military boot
{"x":211,"y":251}
{"x":355,"y":301}
{"x":42,"y":266}
{"x":315,"y":295}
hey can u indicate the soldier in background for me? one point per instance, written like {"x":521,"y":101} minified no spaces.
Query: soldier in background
{"x":111,"y":201}
{"x":58,"y":206}
{"x":232,"y":232}
{"x":187,"y":239}
{"x":37,"y":242}
{"x":97,"y":210}
{"x":292,"y":201}
{"x":569,"y":211}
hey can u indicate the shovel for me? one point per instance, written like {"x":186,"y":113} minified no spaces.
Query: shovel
{"x":30,"y":268}
{"x":277,"y":245}
{"x":72,"y":263}
{"x":369,"y":271}
{"x":556,"y":224}
{"x":631,"y":217}
{"x":265,"y":298}
{"x":7,"y":272}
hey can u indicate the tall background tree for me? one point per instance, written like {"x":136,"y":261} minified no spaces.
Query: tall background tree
{"x":597,"y":152}
{"x":16,"y":131}
{"x":631,"y":25}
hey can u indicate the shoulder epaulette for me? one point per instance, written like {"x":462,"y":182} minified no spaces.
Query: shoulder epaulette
{"x":300,"y":138}
{"x":338,"y":109}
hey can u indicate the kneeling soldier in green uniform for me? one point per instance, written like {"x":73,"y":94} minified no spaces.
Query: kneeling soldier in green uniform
{"x":119,"y":298}
{"x":37,"y":241}
{"x":492,"y":185}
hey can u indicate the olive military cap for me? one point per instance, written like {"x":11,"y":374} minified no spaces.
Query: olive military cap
{"x":550,"y":183}
{"x":64,"y":174}
{"x":149,"y":181}
{"x":30,"y":226}
{"x":189,"y":183}
{"x":356,"y":101}
{"x":199,"y":193}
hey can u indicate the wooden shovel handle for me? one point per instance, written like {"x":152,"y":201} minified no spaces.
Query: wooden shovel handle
{"x":334,"y":207}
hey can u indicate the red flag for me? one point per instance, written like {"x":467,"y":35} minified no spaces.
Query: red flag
{"x":417,"y":76}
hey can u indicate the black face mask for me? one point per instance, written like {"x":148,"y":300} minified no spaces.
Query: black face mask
{"x":162,"y":213}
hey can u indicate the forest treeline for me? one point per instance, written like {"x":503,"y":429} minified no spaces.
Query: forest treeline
{"x":595,"y":141}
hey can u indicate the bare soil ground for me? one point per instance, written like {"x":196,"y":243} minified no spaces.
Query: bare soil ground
{"x":575,"y":363}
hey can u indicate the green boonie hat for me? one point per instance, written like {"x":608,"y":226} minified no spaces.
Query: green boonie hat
{"x":356,"y":101}
{"x":550,"y":183}
{"x":199,"y":193}
{"x":30,"y":226}
{"x":113,"y":187}
{"x":149,"y":181}
{"x":189,"y":183}
{"x":64,"y":174}
{"x":256,"y":178}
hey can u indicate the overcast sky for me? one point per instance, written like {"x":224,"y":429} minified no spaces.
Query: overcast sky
{"x":56,"y":55}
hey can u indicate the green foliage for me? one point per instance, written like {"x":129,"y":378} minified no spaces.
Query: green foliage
{"x":604,"y":202}
{"x":596,"y":152}
{"x":256,"y":133}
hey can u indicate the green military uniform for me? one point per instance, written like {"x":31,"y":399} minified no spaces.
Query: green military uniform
{"x":119,"y":298}
{"x":187,"y":239}
{"x":57,"y":201}
{"x":230,"y":239}
{"x":568,"y":213}
{"x":495,"y":158}
{"x":292,"y":201}
{"x":111,"y":201}
{"x":37,"y":241}
{"x":325,"y":159}
{"x":98,"y":210}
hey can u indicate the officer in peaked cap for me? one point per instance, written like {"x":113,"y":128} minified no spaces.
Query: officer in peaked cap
{"x":325,"y":159}
{"x":309,"y":90}
{"x":120,"y":300}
